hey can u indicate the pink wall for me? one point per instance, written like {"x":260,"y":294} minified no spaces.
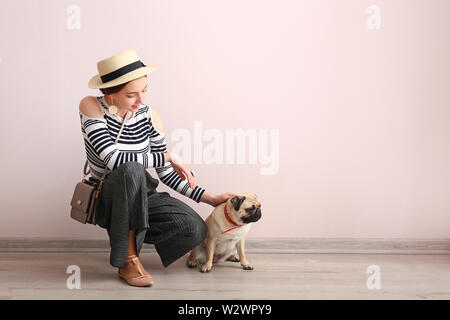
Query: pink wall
{"x":359,"y":99}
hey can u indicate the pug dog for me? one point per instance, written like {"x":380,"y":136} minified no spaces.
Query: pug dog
{"x":227,"y":225}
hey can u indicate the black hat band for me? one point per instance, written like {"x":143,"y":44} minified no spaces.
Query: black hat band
{"x":120,"y":72}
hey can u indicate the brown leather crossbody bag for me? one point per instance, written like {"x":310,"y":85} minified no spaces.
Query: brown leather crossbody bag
{"x":85,"y":197}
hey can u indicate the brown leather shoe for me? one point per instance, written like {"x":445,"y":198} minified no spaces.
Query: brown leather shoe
{"x":134,"y":273}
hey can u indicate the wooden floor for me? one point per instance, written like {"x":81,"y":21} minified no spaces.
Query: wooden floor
{"x":276,"y":276}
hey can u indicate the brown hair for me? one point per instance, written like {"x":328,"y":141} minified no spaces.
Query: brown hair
{"x":114,"y":89}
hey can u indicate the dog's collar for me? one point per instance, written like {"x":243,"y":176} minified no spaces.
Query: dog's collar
{"x":231,"y":221}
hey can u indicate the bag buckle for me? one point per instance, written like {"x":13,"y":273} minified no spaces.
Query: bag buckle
{"x":99,"y":188}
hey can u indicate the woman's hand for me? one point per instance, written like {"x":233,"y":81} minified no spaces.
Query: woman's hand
{"x":183,"y":170}
{"x":220,"y":198}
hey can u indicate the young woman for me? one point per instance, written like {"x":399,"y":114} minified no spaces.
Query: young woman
{"x":130,"y":208}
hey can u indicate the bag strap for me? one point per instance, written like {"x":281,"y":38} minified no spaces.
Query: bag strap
{"x":115,"y":142}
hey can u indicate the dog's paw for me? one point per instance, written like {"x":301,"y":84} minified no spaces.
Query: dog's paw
{"x":206,"y":268}
{"x":247,"y":267}
{"x":191,"y":264}
{"x":233,"y":258}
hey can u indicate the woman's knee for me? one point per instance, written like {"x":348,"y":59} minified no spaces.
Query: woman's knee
{"x":196,"y":230}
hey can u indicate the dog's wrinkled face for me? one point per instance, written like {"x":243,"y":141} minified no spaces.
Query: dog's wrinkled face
{"x":245,"y":207}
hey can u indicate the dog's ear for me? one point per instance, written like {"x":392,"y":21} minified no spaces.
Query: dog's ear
{"x":237,"y":201}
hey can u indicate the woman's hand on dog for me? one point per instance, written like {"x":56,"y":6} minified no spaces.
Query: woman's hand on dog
{"x":221,"y":198}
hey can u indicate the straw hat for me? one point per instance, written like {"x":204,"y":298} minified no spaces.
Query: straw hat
{"x":120,"y":68}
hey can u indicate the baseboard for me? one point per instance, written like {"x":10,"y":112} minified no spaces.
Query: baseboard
{"x":253,"y":245}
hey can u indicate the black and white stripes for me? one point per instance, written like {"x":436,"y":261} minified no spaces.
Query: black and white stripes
{"x":139,"y":142}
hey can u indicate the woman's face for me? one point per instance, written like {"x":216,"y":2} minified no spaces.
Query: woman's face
{"x":131,"y":96}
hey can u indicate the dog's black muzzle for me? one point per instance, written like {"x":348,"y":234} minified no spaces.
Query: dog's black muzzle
{"x":253,"y":218}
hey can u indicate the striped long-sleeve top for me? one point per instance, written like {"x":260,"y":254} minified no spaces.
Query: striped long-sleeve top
{"x":139,"y":141}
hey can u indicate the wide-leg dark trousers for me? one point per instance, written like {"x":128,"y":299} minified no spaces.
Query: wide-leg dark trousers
{"x":129,"y":201}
